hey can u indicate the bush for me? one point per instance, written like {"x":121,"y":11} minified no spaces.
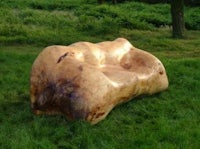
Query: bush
{"x":192,"y":19}
{"x":53,"y":5}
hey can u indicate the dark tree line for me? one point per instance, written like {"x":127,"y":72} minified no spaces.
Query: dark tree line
{"x":186,"y":2}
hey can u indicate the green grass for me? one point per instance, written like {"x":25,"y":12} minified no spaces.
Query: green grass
{"x":169,"y":119}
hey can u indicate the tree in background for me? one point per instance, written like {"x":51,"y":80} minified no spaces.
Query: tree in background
{"x":177,"y":12}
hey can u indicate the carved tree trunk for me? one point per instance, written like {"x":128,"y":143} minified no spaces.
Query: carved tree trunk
{"x":86,"y":80}
{"x":177,"y":12}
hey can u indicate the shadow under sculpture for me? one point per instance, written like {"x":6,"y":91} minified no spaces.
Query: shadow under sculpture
{"x":86,"y":80}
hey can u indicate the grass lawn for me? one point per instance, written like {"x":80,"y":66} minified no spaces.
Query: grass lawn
{"x":166,"y":120}
{"x":170,"y":119}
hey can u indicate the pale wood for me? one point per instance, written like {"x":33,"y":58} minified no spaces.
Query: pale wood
{"x":86,"y":80}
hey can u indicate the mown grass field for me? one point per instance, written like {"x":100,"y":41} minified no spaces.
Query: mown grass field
{"x":170,"y":119}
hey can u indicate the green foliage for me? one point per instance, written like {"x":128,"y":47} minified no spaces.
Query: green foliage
{"x":192,"y":19}
{"x":44,"y":22}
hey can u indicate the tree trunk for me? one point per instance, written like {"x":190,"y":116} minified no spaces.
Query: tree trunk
{"x":177,"y":12}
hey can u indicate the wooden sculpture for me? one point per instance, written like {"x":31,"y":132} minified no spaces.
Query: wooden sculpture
{"x":86,"y":80}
